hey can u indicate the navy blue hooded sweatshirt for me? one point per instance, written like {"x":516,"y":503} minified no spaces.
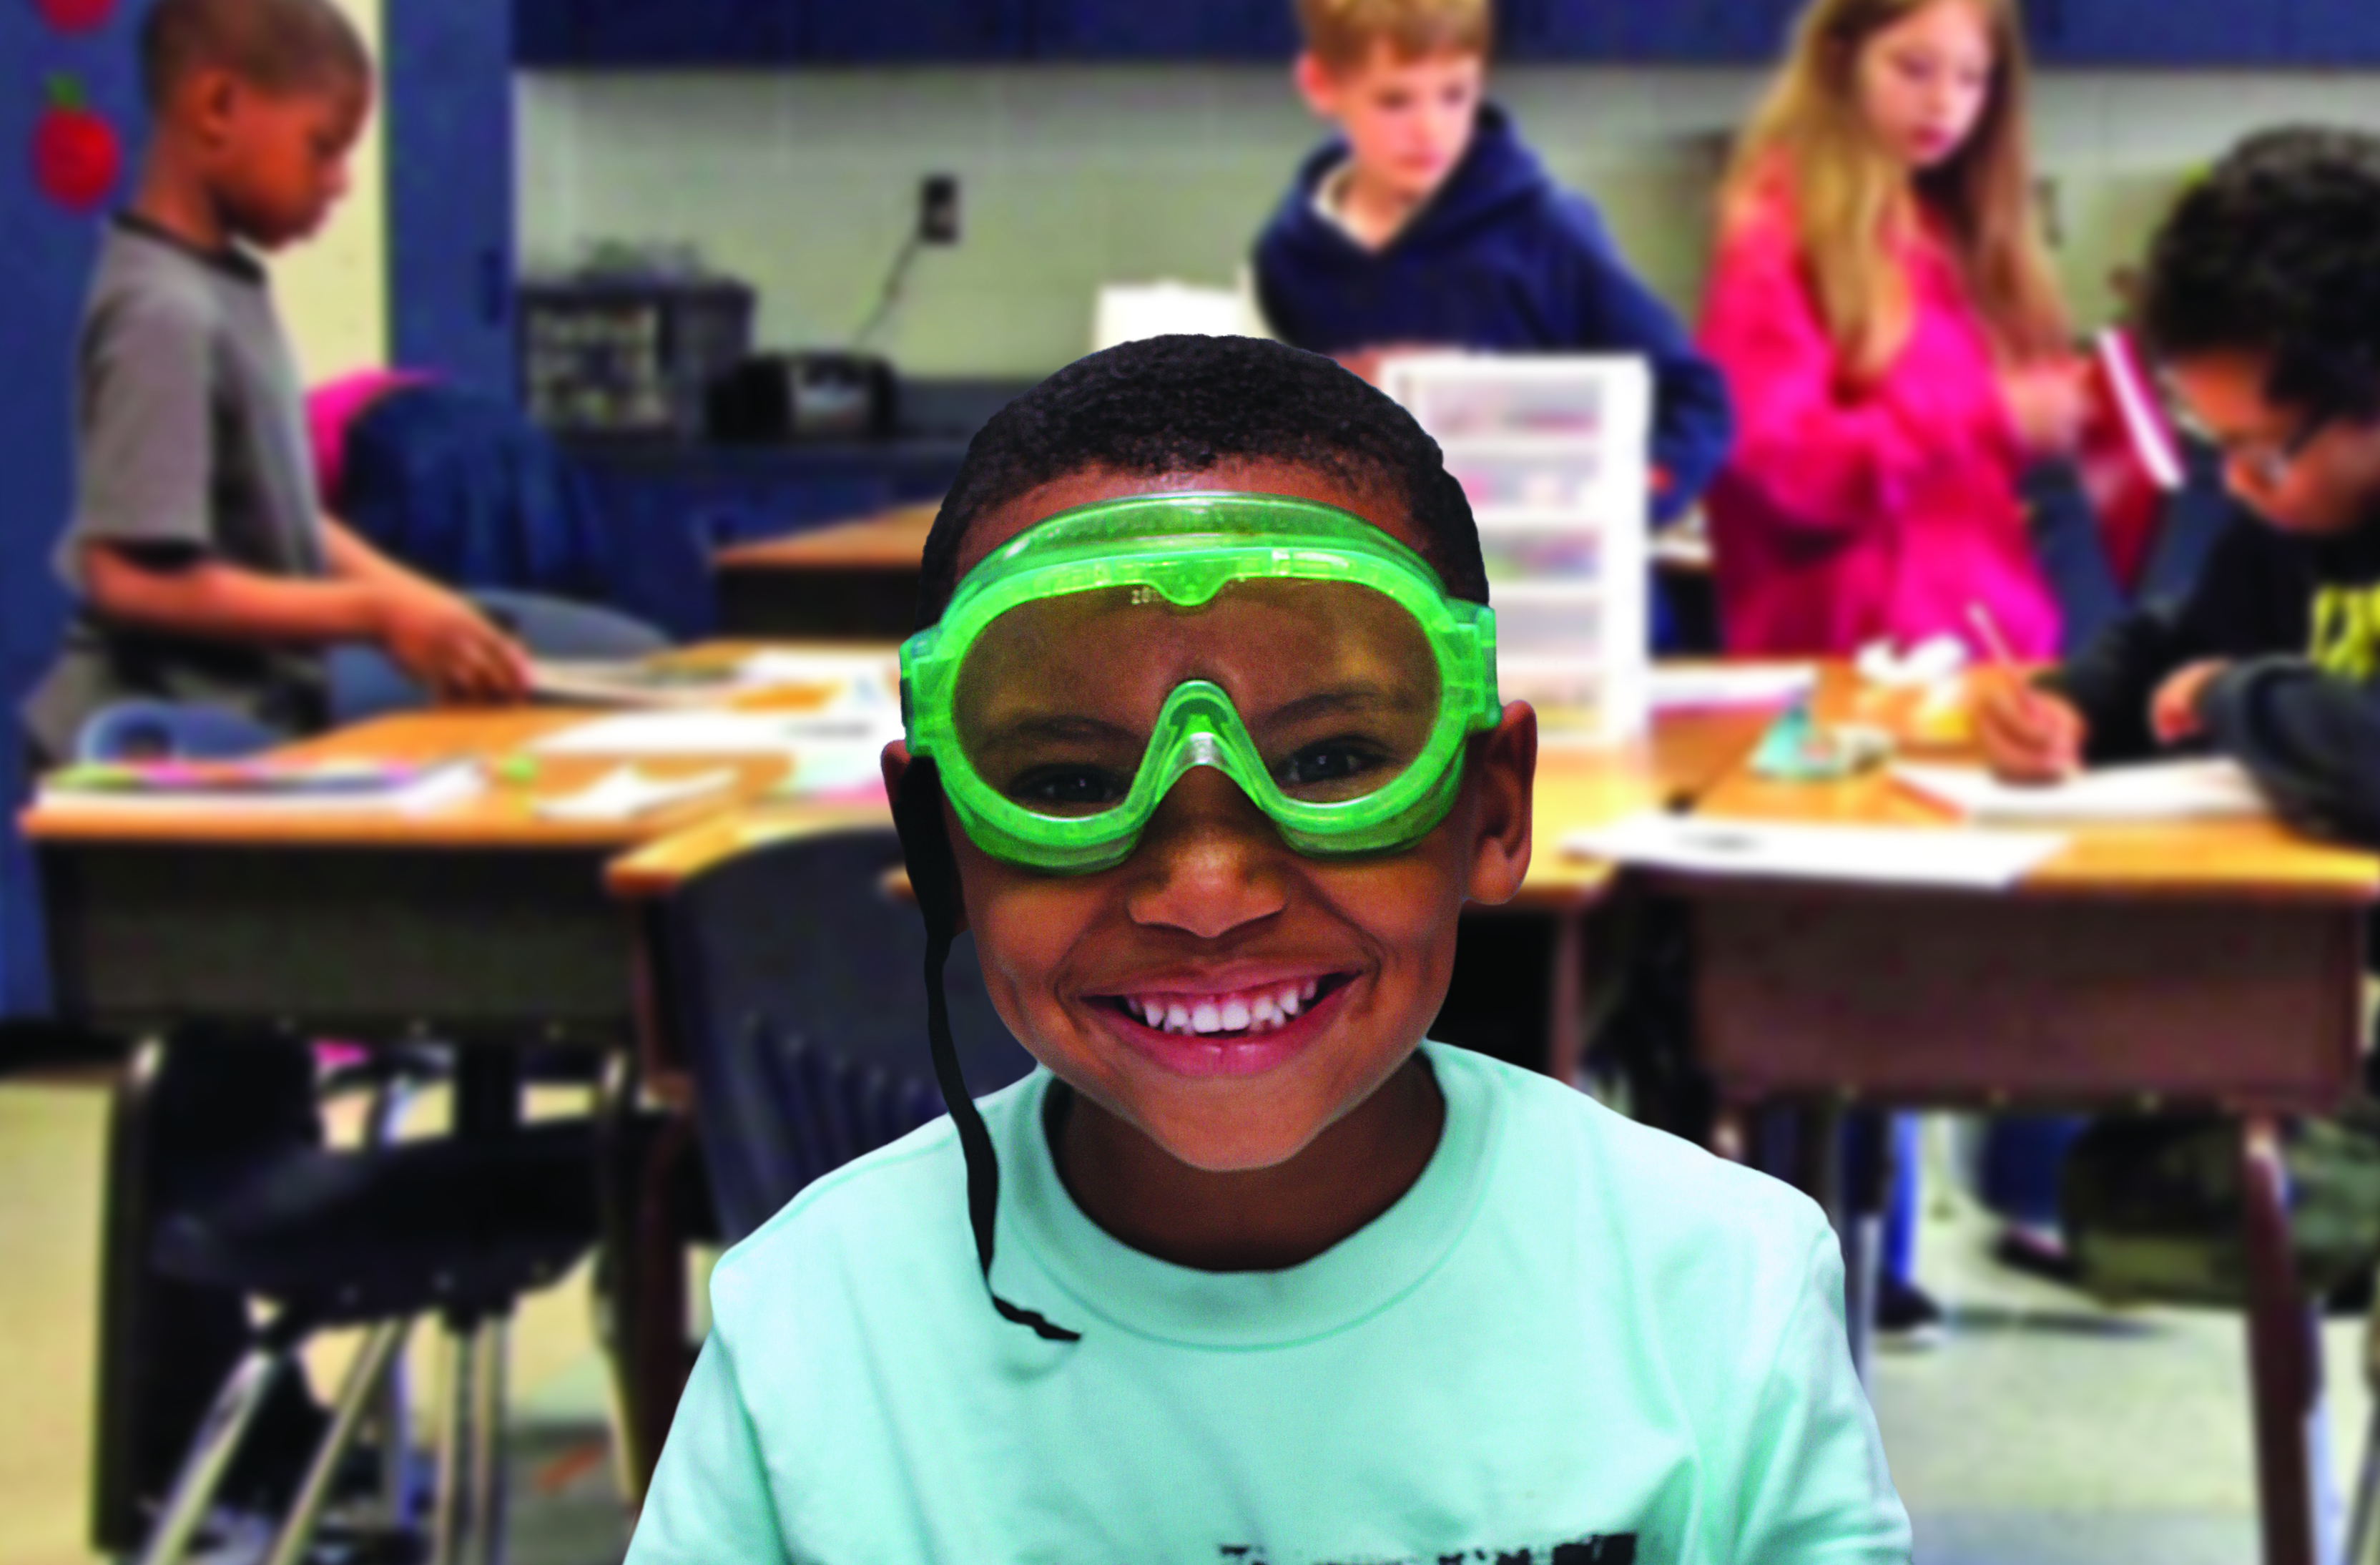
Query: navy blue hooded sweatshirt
{"x":1500,"y":260}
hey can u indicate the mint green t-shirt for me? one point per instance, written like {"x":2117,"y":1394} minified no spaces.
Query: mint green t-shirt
{"x":1575,"y":1341}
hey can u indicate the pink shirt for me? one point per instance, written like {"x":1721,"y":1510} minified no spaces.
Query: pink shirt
{"x":334,"y":405}
{"x":1850,"y":516}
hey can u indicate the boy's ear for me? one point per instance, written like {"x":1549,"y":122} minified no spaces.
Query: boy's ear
{"x":210,"y":100}
{"x":1503,"y":776}
{"x":1316,"y":84}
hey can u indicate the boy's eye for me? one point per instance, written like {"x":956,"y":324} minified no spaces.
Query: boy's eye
{"x":1069,"y":788}
{"x":1331,"y":762}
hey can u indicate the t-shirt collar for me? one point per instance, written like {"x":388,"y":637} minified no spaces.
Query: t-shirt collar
{"x":231,"y":261}
{"x":1103,"y":1280}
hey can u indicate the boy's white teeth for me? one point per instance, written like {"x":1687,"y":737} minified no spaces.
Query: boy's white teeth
{"x":1263,"y":1010}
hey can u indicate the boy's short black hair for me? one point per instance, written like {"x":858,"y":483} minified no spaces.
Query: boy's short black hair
{"x":1181,"y":405}
{"x":2276,"y":252}
{"x":278,"y":45}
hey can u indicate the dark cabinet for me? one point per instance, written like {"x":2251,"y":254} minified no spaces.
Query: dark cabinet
{"x":631,"y":33}
{"x":626,"y":33}
{"x":660,"y":33}
{"x":1163,"y":30}
{"x":2334,"y":32}
{"x":897,"y":31}
{"x":1676,"y":31}
{"x":2161,"y":33}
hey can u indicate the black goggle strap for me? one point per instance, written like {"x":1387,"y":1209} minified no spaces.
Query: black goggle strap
{"x":933,"y":877}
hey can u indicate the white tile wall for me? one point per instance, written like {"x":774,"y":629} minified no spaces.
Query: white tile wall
{"x":805,"y":182}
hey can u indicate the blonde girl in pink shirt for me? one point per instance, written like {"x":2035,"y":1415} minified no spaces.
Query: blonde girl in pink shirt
{"x":1898,"y":352}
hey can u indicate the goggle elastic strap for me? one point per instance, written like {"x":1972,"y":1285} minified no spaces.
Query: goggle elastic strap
{"x":933,"y":877}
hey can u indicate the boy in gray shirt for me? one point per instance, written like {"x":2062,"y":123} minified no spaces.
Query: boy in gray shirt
{"x":206,"y":573}
{"x":203,"y":567}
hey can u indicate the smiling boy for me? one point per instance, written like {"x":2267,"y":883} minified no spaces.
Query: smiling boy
{"x":1205,"y":749}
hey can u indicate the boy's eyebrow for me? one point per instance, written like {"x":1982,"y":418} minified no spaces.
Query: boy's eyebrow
{"x":1049,"y":726}
{"x":1358,"y":697}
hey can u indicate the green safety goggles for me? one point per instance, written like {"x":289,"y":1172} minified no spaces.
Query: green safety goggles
{"x":1086,"y":666}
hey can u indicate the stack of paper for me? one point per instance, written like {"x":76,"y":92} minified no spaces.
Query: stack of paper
{"x":623,"y":793}
{"x":2180,"y":790}
{"x":717,"y":733}
{"x":1870,"y":854}
{"x":262,"y":787}
{"x":632,"y":684}
{"x":1721,"y":686}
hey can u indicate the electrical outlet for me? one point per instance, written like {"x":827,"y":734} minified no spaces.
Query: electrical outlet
{"x":938,"y":210}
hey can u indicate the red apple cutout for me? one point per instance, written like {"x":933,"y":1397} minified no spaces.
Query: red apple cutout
{"x":76,"y":16}
{"x":77,"y":155}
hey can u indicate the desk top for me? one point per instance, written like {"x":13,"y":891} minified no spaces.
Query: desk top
{"x":2254,"y":860}
{"x":500,"y":815}
{"x":892,"y":542}
{"x":1691,"y":758}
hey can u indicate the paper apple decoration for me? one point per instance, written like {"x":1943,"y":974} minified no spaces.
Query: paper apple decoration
{"x":76,"y":16}
{"x":77,"y":155}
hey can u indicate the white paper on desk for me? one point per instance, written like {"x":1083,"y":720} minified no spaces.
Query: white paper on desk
{"x":435,"y":790}
{"x":2174,"y":790}
{"x":835,"y":773}
{"x":1885,"y":856}
{"x":860,"y":679}
{"x":1720,"y":687}
{"x":635,"y":735}
{"x":623,"y":793}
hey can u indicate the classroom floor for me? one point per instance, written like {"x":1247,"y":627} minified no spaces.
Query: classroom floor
{"x":2043,"y":1431}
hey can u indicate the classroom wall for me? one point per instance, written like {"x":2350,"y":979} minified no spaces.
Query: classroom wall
{"x":805,"y":183}
{"x":334,"y":290}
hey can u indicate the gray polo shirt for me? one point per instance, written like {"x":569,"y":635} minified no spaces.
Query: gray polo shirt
{"x":190,"y":443}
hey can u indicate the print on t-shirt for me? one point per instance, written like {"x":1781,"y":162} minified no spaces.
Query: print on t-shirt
{"x":1617,"y":1548}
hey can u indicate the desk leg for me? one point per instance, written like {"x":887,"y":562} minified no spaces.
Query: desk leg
{"x":643,"y":1271}
{"x":2281,"y":1355}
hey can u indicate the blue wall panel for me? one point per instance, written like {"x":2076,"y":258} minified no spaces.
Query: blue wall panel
{"x":450,"y":189}
{"x":46,"y":260}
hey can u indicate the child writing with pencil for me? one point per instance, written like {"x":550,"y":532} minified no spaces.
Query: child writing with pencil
{"x":1895,"y":346}
{"x":2262,"y":303}
{"x":1205,"y":749}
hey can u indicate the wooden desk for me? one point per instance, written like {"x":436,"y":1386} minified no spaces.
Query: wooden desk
{"x":479,"y":922}
{"x":481,"y":925}
{"x":2215,"y":964}
{"x":856,"y":580}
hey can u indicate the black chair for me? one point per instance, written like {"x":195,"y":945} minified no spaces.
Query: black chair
{"x":788,"y":984}
{"x":459,"y":1227}
{"x":796,"y":993}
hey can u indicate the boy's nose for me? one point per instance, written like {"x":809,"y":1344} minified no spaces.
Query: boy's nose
{"x":1210,"y":861}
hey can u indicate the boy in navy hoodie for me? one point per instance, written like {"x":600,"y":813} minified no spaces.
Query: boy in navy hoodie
{"x":2263,"y":304}
{"x":1428,"y":223}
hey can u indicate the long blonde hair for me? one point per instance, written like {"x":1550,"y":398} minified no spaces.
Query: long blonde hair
{"x":1853,"y":200}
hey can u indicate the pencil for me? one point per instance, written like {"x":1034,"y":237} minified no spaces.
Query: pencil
{"x":2002,"y":659}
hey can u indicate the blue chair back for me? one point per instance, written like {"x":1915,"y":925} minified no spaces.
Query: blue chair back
{"x":797,"y":988}
{"x":555,"y":628}
{"x":366,"y":684}
{"x":150,"y":729}
{"x":465,"y":488}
